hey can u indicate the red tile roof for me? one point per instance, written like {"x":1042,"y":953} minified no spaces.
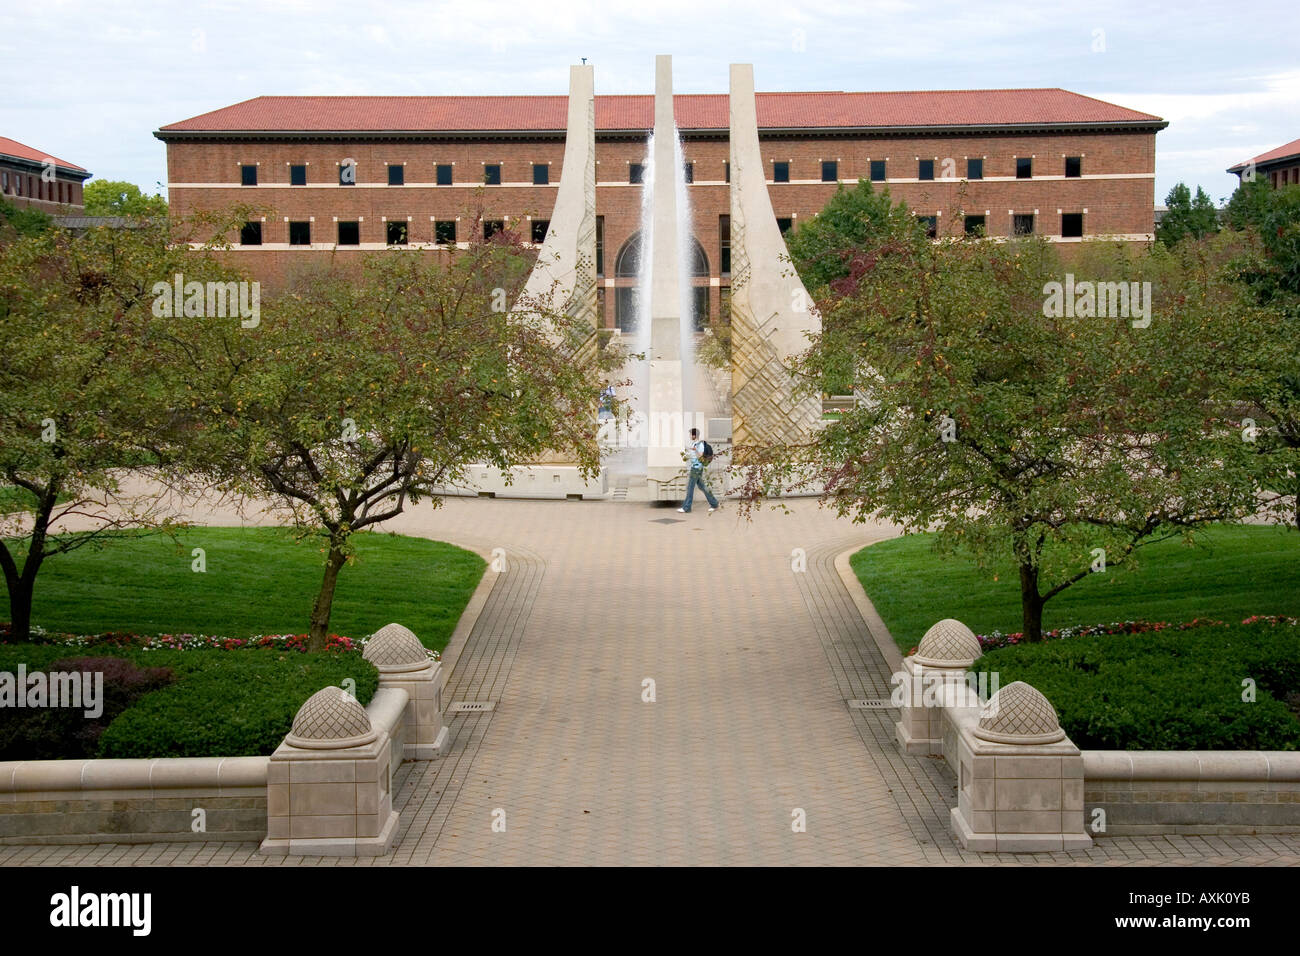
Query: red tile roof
{"x":1282,"y":152}
{"x":11,"y":147}
{"x":932,"y":108}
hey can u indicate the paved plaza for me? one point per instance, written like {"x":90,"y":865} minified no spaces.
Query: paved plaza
{"x":753,"y":663}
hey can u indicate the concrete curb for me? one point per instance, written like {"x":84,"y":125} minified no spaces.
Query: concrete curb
{"x":875,"y":625}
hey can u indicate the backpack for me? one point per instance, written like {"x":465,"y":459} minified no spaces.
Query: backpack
{"x":707,"y":457}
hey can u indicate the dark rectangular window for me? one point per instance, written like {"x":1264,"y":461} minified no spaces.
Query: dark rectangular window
{"x":1024,"y":168}
{"x":931,"y":224}
{"x":925,"y":169}
{"x":784,"y":224}
{"x":298,"y":175}
{"x":635,"y":173}
{"x":444,"y":231}
{"x":4,"y":181}
{"x":974,"y":225}
{"x":724,"y":238}
{"x":541,"y":174}
{"x":300,"y":233}
{"x":780,"y":172}
{"x":251,"y":234}
{"x":349,"y":234}
{"x":492,"y":174}
{"x":1022,"y":224}
{"x":726,"y":170}
{"x":1073,"y":167}
{"x":491,"y":227}
{"x":877,"y":170}
{"x":397,"y":175}
{"x":1071,"y":225}
{"x":540,"y":227}
{"x":248,"y":175}
{"x":974,"y":169}
{"x":600,"y":247}
{"x":688,"y":172}
{"x":347,"y":173}
{"x":830,"y":170}
{"x":395,"y":233}
{"x":442,"y":174}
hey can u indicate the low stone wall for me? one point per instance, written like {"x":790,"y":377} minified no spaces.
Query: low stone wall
{"x":1191,"y":792}
{"x":133,"y":801}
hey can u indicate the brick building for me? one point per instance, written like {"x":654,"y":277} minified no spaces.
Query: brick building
{"x":30,"y":177}
{"x":1279,"y":167}
{"x":344,"y":175}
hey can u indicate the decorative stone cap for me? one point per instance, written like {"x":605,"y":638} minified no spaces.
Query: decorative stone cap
{"x":331,"y":719}
{"x":1019,"y":714}
{"x":950,"y":643}
{"x":396,"y":648}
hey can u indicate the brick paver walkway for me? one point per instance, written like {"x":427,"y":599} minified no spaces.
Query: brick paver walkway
{"x":753,"y":664}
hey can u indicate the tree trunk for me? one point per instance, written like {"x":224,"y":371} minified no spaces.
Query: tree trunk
{"x":20,"y":608}
{"x":1031,"y":603}
{"x":320,"y":614}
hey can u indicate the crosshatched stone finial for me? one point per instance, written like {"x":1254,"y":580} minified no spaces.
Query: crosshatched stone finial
{"x":949,"y":643}
{"x":394,"y":644}
{"x":331,"y":719}
{"x":1019,"y":714}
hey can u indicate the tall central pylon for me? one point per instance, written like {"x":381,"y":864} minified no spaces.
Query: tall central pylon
{"x":666,"y":412}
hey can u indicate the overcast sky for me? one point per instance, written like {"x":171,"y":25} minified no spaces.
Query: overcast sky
{"x":90,"y":82}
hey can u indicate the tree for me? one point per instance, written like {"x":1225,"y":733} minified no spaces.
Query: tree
{"x":821,"y":248}
{"x":82,"y":391}
{"x":104,"y":197}
{"x":1186,"y":216}
{"x":1015,"y":419}
{"x":1269,"y":266}
{"x":358,"y":396}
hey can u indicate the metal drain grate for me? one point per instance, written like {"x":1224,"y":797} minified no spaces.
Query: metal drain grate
{"x":666,"y":520}
{"x":471,"y":707}
{"x":873,"y":703}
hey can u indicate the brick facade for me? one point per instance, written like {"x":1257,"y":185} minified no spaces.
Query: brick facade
{"x":1113,"y":191}
{"x":31,"y":179}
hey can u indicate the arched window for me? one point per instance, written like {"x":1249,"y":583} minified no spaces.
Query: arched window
{"x":627,"y":265}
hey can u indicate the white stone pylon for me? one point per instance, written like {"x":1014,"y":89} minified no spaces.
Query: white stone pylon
{"x":564,"y":277}
{"x":664,"y":450}
{"x":771,"y":312}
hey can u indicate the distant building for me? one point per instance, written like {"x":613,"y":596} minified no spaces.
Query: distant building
{"x":1280,"y":167}
{"x":344,"y":175}
{"x":32,"y":178}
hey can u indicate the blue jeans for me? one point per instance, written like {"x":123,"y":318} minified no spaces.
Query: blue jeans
{"x":697,"y":478}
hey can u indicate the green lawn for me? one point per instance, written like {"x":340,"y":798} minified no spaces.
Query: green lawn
{"x":1232,"y":573}
{"x":258,"y":581}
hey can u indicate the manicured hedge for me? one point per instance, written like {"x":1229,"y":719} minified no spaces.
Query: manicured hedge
{"x":1168,"y":690}
{"x":222,"y":703}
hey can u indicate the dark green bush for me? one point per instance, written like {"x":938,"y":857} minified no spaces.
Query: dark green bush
{"x":48,"y":733}
{"x":1170,"y":690}
{"x":222,"y":703}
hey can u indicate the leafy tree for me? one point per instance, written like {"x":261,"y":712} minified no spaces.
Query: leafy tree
{"x":105,"y":197}
{"x":1249,"y":203}
{"x":1044,"y":440}
{"x":357,"y":396}
{"x":1186,"y":216}
{"x":82,"y":392}
{"x":820,"y":249}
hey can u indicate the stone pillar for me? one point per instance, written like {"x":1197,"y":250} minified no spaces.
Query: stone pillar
{"x":933,"y":678}
{"x":403,"y":662}
{"x":771,"y":312}
{"x":1019,"y":778}
{"x":330,"y":784}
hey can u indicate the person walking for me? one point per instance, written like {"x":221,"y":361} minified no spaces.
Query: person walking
{"x":695,"y":452}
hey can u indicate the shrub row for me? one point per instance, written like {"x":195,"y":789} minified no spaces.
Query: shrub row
{"x":1167,"y":689}
{"x":219,"y":703}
